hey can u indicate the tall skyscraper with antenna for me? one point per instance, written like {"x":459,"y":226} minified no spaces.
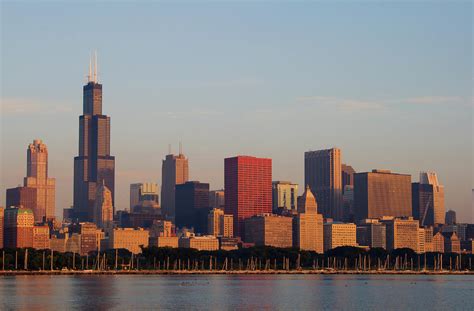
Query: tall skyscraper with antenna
{"x":94,"y":165}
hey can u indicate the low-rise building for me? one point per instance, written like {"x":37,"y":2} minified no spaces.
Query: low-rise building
{"x":269,"y":230}
{"x":128,"y":238}
{"x":41,"y":237}
{"x":201,"y":243}
{"x":338,"y":234}
{"x":402,"y":233}
{"x":371,"y":233}
{"x":164,"y":241}
{"x":18,"y":232}
{"x":452,"y":243}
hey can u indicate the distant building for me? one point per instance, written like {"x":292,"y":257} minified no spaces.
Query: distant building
{"x":164,"y":241}
{"x":103,"y":209}
{"x":467,"y":246}
{"x":248,"y":189}
{"x":348,"y":211}
{"x":339,"y":234}
{"x":220,"y":224}
{"x":88,"y":236}
{"x":269,"y":230}
{"x":402,"y":233}
{"x":22,"y":196}
{"x":308,"y":224}
{"x":18,"y":232}
{"x":382,"y":193}
{"x":141,"y":193}
{"x":162,"y":228}
{"x":2,"y":226}
{"x":428,"y":200}
{"x":438,"y":243}
{"x":428,"y":234}
{"x":284,"y":196}
{"x":347,"y":175}
{"x":371,"y":233}
{"x":41,"y":237}
{"x":174,"y":171}
{"x":450,"y":217}
{"x":137,"y":219}
{"x":192,"y":205}
{"x":322,"y":171}
{"x":217,"y":199}
{"x":201,"y":243}
{"x":128,"y":238}
{"x":461,"y":230}
{"x":452,"y":244}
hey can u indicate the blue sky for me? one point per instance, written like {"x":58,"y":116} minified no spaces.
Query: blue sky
{"x":390,"y":83}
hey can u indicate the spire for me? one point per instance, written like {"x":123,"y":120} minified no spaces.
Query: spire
{"x":95,"y":67}
{"x":180,"y":148}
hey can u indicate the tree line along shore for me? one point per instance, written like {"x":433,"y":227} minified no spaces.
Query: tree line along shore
{"x":245,"y":260}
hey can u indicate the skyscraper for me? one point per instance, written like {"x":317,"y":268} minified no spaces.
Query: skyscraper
{"x":322,"y":172}
{"x":284,"y":196}
{"x":347,"y":175}
{"x":37,"y":177}
{"x":382,"y":193}
{"x":103,"y":209}
{"x":94,"y":165}
{"x":248,"y":188}
{"x":174,"y":171}
{"x":428,"y":200}
{"x":143,"y":192}
{"x":451,"y":217}
{"x":192,"y":205}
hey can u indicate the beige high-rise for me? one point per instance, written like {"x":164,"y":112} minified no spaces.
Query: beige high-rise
{"x":402,"y":233}
{"x":174,"y":171}
{"x":220,"y":224}
{"x":103,"y":209}
{"x":37,"y":177}
{"x":308,"y":224}
{"x":339,"y":234}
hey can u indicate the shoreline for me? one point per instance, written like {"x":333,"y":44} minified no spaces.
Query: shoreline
{"x":237,"y":272}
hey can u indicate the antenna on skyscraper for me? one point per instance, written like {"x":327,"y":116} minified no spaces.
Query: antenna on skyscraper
{"x":95,"y":66}
{"x":180,"y":148}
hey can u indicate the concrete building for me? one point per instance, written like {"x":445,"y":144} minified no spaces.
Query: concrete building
{"x":402,"y":233}
{"x":452,"y":244}
{"x":308,"y":224}
{"x":128,"y":238}
{"x":382,"y":193}
{"x":220,"y":224}
{"x":339,"y":234}
{"x":217,"y":199}
{"x":450,"y":217}
{"x":94,"y":164}
{"x":371,"y":233}
{"x":22,"y":196}
{"x":164,"y":241}
{"x":18,"y":232}
{"x":428,"y":200}
{"x":284,"y":196}
{"x":58,"y":244}
{"x":103,"y":208}
{"x":322,"y":171}
{"x":174,"y":171}
{"x":89,"y":237}
{"x":41,"y":237}
{"x":428,"y":233}
{"x":248,"y":189}
{"x":269,"y":230}
{"x":192,"y":205}
{"x":143,"y":192}
{"x":201,"y":243}
{"x":438,"y":243}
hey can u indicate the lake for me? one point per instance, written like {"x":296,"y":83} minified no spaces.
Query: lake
{"x":241,"y":292}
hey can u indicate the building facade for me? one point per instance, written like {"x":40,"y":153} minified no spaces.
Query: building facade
{"x":269,"y":230}
{"x":428,"y":200}
{"x":200,"y":243}
{"x":94,"y":164}
{"x":143,"y":192}
{"x":402,"y":233}
{"x":217,"y":199}
{"x":21,"y":196}
{"x":103,"y":208}
{"x":322,"y":171}
{"x":19,"y":223}
{"x":41,"y":237}
{"x":174,"y":171}
{"x":128,"y":238}
{"x":338,"y":234}
{"x":248,"y":189}
{"x":371,"y":233}
{"x":308,"y":224}
{"x":382,"y":193}
{"x":450,"y":217}
{"x":2,"y":226}
{"x":192,"y":205}
{"x":284,"y":196}
{"x":220,"y":224}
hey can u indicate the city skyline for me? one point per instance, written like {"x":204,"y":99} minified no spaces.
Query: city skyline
{"x":211,"y":132}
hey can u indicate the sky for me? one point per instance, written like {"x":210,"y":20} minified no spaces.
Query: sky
{"x":390,"y":83}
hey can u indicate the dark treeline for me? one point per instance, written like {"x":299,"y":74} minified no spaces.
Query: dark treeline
{"x":254,"y":258}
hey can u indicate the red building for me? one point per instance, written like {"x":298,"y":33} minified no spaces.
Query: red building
{"x":248,"y":188}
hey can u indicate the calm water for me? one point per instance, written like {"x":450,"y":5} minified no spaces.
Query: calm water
{"x":220,"y":292}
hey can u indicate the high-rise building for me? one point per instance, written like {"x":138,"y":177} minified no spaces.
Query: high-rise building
{"x":428,"y":200}
{"x":269,"y":230}
{"x":21,"y":196}
{"x":322,"y":172}
{"x":382,"y":193}
{"x":338,"y":234}
{"x":18,"y":230}
{"x":37,"y":178}
{"x":94,"y":165}
{"x":103,"y":209}
{"x":174,"y":171}
{"x":220,"y":224}
{"x":308,"y":224}
{"x":248,"y":188}
{"x":143,"y":192}
{"x":450,"y":217}
{"x":217,"y":199}
{"x":371,"y":233}
{"x":2,"y":217}
{"x":347,"y":175}
{"x":402,"y":233}
{"x":284,"y":196}
{"x":192,"y":205}
{"x":348,"y":212}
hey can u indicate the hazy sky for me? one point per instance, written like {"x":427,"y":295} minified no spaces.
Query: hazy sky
{"x":388,"y":83}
